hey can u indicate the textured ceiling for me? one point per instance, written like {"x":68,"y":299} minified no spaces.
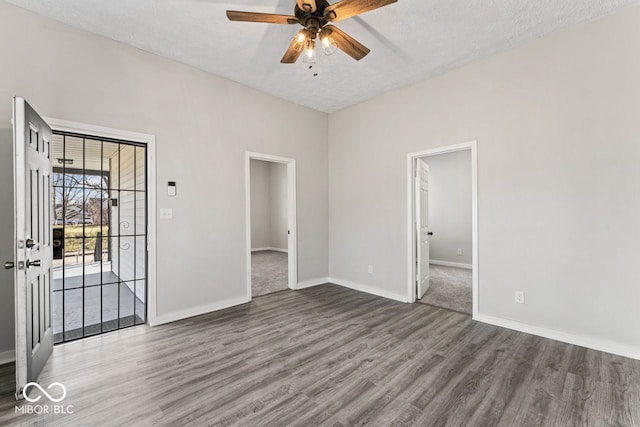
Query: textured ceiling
{"x":409,"y":40}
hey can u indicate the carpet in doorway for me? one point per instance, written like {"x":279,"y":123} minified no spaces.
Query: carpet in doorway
{"x":449,"y":288}
{"x":269,"y":272}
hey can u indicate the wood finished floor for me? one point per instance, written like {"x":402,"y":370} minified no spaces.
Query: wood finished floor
{"x":336,"y":357}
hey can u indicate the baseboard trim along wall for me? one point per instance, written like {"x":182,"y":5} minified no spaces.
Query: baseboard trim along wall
{"x":451,"y":264}
{"x":566,"y":337}
{"x":7,"y":356}
{"x":197,"y":311}
{"x":221,"y":305}
{"x":269,"y":249}
{"x":369,"y":289}
{"x":569,"y":338}
{"x":313,"y":282}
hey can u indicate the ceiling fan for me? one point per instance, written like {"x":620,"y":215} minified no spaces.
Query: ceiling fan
{"x":315,"y":16}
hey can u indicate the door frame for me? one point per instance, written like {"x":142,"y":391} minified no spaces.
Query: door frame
{"x":411,"y":251}
{"x":292,"y":246}
{"x":150,"y":142}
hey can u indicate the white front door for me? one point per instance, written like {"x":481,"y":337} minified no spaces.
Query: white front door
{"x":422,"y":227}
{"x":33,"y":249}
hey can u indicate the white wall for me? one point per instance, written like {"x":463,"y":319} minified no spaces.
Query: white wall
{"x":269,"y":223}
{"x":450,"y":206}
{"x":203,"y":124}
{"x":260,"y":204}
{"x":278,"y":205}
{"x":6,"y":245}
{"x":557,"y":126}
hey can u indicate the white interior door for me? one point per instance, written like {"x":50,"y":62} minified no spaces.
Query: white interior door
{"x":422,"y":227}
{"x":33,"y":249}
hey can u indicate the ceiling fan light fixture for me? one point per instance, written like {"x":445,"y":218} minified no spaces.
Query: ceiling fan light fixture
{"x":316,"y":17}
{"x":328,"y":46}
{"x":310,"y":52}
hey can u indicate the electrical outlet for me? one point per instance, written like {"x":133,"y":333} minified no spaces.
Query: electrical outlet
{"x":166,"y":213}
{"x":519,"y":297}
{"x":459,"y":252}
{"x":370,"y":269}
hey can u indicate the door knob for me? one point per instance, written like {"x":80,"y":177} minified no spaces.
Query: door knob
{"x":9,"y":265}
{"x":430,"y":233}
{"x":35,"y":263}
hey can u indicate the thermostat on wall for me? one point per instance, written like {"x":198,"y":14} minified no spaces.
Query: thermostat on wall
{"x":171,"y":188}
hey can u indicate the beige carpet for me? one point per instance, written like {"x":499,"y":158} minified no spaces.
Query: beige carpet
{"x":450,"y":288}
{"x":269,"y":272}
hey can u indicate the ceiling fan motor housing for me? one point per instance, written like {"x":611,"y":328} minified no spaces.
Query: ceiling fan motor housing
{"x":313,"y":21}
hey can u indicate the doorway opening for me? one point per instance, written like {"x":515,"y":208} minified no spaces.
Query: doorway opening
{"x":42,"y":203}
{"x":442,"y":231}
{"x":271,"y":224}
{"x":100,"y":235}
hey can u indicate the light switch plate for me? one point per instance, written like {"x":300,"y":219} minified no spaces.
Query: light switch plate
{"x":171,"y":188}
{"x":166,"y":213}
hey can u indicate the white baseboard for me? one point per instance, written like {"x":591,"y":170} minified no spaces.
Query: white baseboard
{"x":197,"y":311}
{"x":7,"y":356}
{"x":368,"y":289}
{"x":269,"y":249}
{"x":260,"y":249}
{"x":451,"y":264}
{"x":313,"y":282}
{"x":566,"y":337}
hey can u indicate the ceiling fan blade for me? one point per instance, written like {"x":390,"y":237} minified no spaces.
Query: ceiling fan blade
{"x":268,"y":18}
{"x":347,"y":8}
{"x":295,"y":48}
{"x":307,"y":5}
{"x":346,"y":43}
